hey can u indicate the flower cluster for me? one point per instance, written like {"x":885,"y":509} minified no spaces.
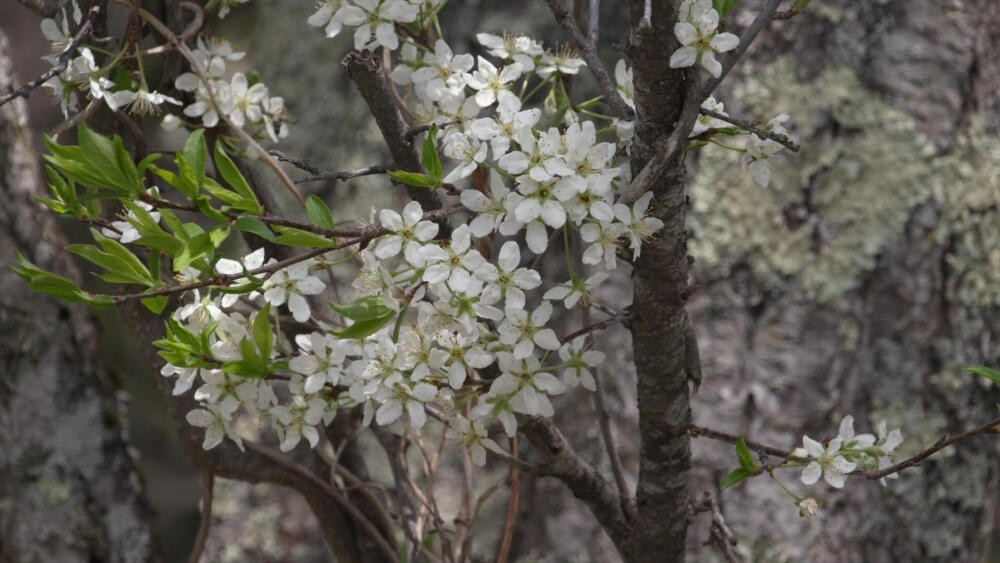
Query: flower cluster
{"x":847,"y":452}
{"x":242,"y":101}
{"x":697,"y":31}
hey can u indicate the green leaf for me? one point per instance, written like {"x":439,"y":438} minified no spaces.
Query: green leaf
{"x":155,"y":304}
{"x":562,"y":101}
{"x":801,"y":4}
{"x":194,"y":154}
{"x":194,"y":249}
{"x":986,"y":372}
{"x":414,"y":179}
{"x":100,"y":153}
{"x":117,"y":270}
{"x":231,"y":174}
{"x":746,"y":460}
{"x":118,"y":250}
{"x":262,"y":335}
{"x":723,"y":6}
{"x":255,"y":226}
{"x":243,"y":368}
{"x":736,"y":476}
{"x":432,"y":162}
{"x":297,"y":237}
{"x":360,"y":329}
{"x":364,"y":309}
{"x":318,"y":212}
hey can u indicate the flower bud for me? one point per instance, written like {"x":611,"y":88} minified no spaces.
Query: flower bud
{"x":808,"y":507}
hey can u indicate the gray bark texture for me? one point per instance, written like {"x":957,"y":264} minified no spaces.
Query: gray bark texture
{"x":69,"y":489}
{"x":780,"y":361}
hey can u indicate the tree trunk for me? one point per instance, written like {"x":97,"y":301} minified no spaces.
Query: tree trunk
{"x":70,"y":489}
{"x":660,"y":278}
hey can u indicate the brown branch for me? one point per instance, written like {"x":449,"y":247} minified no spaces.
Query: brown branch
{"x":508,"y":525}
{"x":668,"y":147}
{"x":762,"y":19}
{"x":365,"y":70}
{"x":720,"y":534}
{"x":599,"y":325}
{"x":787,"y":14}
{"x":582,"y":479}
{"x":369,"y":233}
{"x":701,"y":431}
{"x":344,"y":504}
{"x":418,"y":129}
{"x":751,"y":126}
{"x":991,"y":427}
{"x":207,"y":488}
{"x":43,"y":8}
{"x":269,"y":219}
{"x":347,"y":174}
{"x":588,"y":50}
{"x":196,"y":65}
{"x":64,"y":57}
{"x":604,"y":421}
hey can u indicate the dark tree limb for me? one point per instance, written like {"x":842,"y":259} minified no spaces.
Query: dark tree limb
{"x":43,"y":8}
{"x":583,"y":480}
{"x":64,"y":57}
{"x":588,"y":49}
{"x":365,"y":70}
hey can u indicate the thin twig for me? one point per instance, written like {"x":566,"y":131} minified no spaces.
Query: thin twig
{"x":746,"y":39}
{"x":269,"y":219}
{"x":667,"y":147}
{"x":589,"y":52}
{"x":347,"y":174}
{"x":991,"y":427}
{"x":64,"y":56}
{"x":418,"y":129}
{"x":604,"y":421}
{"x":599,"y":325}
{"x":787,"y":14}
{"x":346,"y":505}
{"x":508,"y":525}
{"x":207,"y":487}
{"x":370,"y":232}
{"x":76,"y":119}
{"x":701,"y":431}
{"x":200,"y":71}
{"x":594,"y":21}
{"x":301,"y":164}
{"x":43,"y":8}
{"x":752,"y":127}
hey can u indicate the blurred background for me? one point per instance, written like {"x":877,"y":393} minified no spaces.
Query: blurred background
{"x":859,"y":282}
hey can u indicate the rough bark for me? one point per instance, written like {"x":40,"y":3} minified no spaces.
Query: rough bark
{"x":781,"y":363}
{"x":660,"y":278}
{"x":69,"y":486}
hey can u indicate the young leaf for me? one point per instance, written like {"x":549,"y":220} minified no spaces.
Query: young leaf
{"x":318,"y":212}
{"x":414,"y":179}
{"x":734,"y":477}
{"x":801,"y":4}
{"x":194,"y":249}
{"x":432,"y":162}
{"x":194,"y":154}
{"x":231,"y":174}
{"x":262,"y":336}
{"x":986,"y":372}
{"x":746,"y":460}
{"x":297,"y":237}
{"x":361,"y":329}
{"x":155,"y":304}
{"x":255,"y":226}
{"x":723,"y":6}
{"x":364,"y":309}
